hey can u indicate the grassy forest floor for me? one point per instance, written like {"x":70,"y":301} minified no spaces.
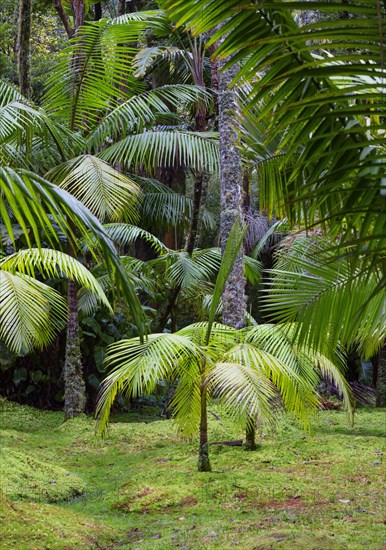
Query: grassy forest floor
{"x":63,"y":488}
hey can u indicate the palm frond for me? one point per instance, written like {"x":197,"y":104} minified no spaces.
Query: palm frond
{"x":313,"y":287}
{"x":137,"y":367}
{"x":89,"y":75}
{"x":124,"y":234}
{"x":153,"y":149}
{"x":162,"y":205}
{"x":297,"y":392}
{"x":35,"y":204}
{"x":333,"y":130}
{"x":31,"y":313}
{"x":51,"y":264}
{"x":106,"y":192}
{"x":143,"y":110}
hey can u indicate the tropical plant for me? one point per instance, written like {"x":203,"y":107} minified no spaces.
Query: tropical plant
{"x":67,"y":139}
{"x":247,"y":369}
{"x":336,"y":132}
{"x":335,"y":298}
{"x":31,"y":312}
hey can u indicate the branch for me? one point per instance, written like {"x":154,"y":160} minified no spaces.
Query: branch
{"x":64,"y":17}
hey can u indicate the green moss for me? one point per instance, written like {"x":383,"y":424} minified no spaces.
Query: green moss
{"x":25,"y":477}
{"x":144,"y":491}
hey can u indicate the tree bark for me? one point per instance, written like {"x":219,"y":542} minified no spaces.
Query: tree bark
{"x":74,"y":386}
{"x":24,"y":45}
{"x":380,"y":388}
{"x":231,"y":195}
{"x":64,"y":18}
{"x":78,"y":13}
{"x":203,"y":450}
{"x":250,"y":438}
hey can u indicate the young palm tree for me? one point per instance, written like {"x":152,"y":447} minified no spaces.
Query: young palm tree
{"x":312,"y":287}
{"x":252,"y":370}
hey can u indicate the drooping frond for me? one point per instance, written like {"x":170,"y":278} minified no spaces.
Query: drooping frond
{"x":8,"y":93}
{"x":124,"y":234}
{"x":137,"y":367}
{"x":36,"y":204}
{"x":144,"y":110}
{"x":91,"y":72}
{"x":106,"y":192}
{"x":331,"y":299}
{"x":162,"y":205}
{"x":31,"y":313}
{"x":51,"y":264}
{"x":153,"y":149}
{"x":307,"y":363}
{"x":335,"y":130}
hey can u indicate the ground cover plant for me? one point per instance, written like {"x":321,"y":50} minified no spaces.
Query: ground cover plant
{"x":140,"y":488}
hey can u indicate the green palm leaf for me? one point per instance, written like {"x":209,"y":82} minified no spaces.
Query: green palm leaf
{"x":143,"y":110}
{"x":31,"y":313}
{"x":36,"y":204}
{"x":311,"y":286}
{"x":52,"y":264}
{"x":106,"y":192}
{"x":335,"y":133}
{"x":137,"y":367}
{"x":164,"y":148}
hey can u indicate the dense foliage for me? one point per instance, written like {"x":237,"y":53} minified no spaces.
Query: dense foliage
{"x":110,"y":166}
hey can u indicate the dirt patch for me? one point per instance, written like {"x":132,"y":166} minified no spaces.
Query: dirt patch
{"x":189,"y":500}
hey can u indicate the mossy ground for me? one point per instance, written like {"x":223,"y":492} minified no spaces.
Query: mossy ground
{"x":142,"y":490}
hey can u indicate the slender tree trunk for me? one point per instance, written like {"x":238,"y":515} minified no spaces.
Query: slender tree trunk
{"x":250,"y":438}
{"x":24,"y":47}
{"x":380,"y":388}
{"x":121,"y":7}
{"x":78,"y":13}
{"x":203,"y":450}
{"x":74,"y":386}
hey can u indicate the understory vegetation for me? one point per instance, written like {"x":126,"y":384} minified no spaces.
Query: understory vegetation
{"x":192,"y":273}
{"x":139,"y":487}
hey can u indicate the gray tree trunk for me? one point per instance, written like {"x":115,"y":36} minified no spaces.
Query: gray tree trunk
{"x":74,"y":386}
{"x":24,"y":47}
{"x":231,"y":195}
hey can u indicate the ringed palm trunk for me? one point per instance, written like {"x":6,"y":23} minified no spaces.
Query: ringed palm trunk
{"x":231,"y":196}
{"x":203,"y":450}
{"x":74,"y":385}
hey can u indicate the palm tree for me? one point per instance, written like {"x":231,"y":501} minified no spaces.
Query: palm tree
{"x":337,"y":299}
{"x":335,"y":131}
{"x":248,"y":369}
{"x":31,"y":312}
{"x":80,"y":118}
